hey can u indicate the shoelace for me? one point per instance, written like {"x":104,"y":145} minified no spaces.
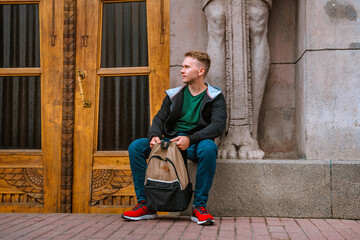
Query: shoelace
{"x":202,"y":210}
{"x":139,"y":205}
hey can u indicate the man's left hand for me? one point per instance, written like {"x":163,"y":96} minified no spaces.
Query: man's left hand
{"x":183,"y":142}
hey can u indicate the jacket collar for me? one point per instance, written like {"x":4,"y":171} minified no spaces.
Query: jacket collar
{"x":212,"y":91}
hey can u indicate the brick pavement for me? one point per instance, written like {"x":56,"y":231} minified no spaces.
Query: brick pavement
{"x":99,"y":226}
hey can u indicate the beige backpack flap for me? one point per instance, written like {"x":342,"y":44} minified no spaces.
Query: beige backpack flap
{"x":174,"y":154}
{"x":158,"y":169}
{"x":157,"y":150}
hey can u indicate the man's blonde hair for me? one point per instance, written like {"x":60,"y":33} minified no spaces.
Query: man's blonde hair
{"x":202,"y":57}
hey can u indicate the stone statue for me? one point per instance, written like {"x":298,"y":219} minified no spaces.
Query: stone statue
{"x":239,"y":50}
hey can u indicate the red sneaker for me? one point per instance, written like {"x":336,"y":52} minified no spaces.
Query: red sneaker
{"x":139,"y":212}
{"x":202,"y":216}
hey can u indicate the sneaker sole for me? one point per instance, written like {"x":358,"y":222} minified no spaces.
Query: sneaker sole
{"x":208,"y":221}
{"x":143,"y":217}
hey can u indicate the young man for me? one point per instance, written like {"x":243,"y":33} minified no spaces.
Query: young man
{"x":193,"y":115}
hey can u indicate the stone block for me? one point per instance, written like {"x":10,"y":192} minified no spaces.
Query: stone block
{"x":280,"y":87}
{"x":277,"y":188}
{"x":331,"y":121}
{"x":299,"y":106}
{"x":332,"y":24}
{"x":175,"y":76}
{"x":282,"y":31}
{"x":346,"y":189}
{"x":277,"y":133}
{"x":188,"y":29}
{"x":300,"y":28}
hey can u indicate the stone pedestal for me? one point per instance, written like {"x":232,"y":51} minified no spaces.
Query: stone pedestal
{"x":328,"y":109}
{"x":284,"y":188}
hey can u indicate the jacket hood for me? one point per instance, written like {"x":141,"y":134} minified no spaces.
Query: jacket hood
{"x":212,"y":91}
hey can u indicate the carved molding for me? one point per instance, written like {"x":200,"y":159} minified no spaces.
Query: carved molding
{"x":35,"y":177}
{"x":16,"y":198}
{"x":238,"y":79}
{"x":106,"y":182}
{"x":68,"y":106}
{"x":27,"y":180}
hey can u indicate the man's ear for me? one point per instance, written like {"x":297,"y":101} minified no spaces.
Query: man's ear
{"x":201,"y":71}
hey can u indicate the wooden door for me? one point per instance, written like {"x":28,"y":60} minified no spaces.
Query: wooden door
{"x":123,"y":62}
{"x":31,"y":105}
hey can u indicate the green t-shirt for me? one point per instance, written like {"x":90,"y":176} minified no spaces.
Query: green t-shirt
{"x":190,"y":111}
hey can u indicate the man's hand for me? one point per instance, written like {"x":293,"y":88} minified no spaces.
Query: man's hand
{"x":183,"y":142}
{"x":154,"y":140}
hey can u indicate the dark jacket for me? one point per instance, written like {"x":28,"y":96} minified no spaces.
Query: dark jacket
{"x":212,"y":115}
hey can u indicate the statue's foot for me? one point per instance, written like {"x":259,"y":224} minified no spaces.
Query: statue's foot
{"x":250,"y":152}
{"x":227,"y":151}
{"x":239,"y":144}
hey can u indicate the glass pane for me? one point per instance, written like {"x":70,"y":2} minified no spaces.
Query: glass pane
{"x":124,"y":111}
{"x":19,"y":36}
{"x":20,"y":113}
{"x":124,"y":35}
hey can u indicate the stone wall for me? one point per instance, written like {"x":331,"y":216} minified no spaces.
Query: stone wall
{"x":315,"y":42}
{"x":188,"y":32}
{"x":310,"y":117}
{"x":277,"y":129}
{"x":327,"y":85}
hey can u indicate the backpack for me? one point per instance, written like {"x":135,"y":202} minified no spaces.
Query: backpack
{"x":167,"y":184}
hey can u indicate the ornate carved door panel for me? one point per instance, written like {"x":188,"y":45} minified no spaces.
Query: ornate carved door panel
{"x":31,"y":64}
{"x":123,"y":58}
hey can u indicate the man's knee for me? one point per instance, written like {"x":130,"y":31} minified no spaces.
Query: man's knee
{"x":207,"y":147}
{"x":138,"y":145}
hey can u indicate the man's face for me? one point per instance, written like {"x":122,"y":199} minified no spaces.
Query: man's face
{"x":191,"y":70}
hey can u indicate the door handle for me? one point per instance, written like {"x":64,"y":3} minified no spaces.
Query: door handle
{"x":80,"y":76}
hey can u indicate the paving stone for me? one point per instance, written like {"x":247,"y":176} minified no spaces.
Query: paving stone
{"x":280,"y":236}
{"x":96,"y":227}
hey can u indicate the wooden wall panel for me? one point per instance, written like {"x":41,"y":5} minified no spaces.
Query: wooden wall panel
{"x":38,"y":179}
{"x":87,"y":49}
{"x":158,"y":14}
{"x":29,"y":183}
{"x":102,"y":181}
{"x":51,"y":62}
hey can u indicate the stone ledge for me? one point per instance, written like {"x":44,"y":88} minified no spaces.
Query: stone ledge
{"x":281,"y":188}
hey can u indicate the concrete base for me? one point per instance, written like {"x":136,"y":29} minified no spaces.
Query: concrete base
{"x":284,"y":188}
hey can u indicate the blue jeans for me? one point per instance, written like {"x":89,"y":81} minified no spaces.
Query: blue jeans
{"x":203,"y":153}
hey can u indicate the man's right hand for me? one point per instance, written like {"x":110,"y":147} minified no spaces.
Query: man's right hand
{"x":154,"y":140}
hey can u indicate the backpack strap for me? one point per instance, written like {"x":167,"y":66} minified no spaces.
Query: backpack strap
{"x":164,"y":145}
